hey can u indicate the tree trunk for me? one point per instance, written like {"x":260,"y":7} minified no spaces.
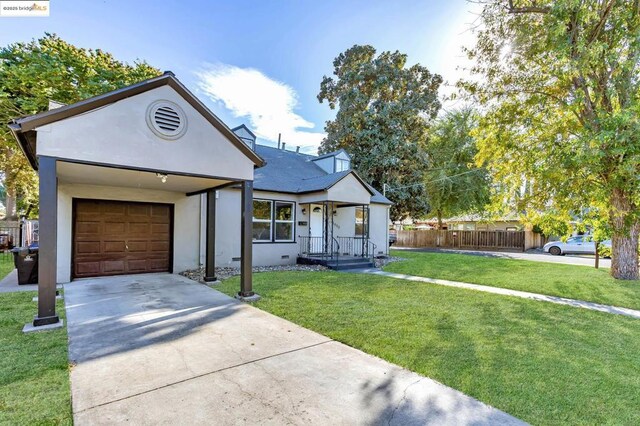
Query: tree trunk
{"x":10,"y":204}
{"x":439,"y":220}
{"x":624,"y":250}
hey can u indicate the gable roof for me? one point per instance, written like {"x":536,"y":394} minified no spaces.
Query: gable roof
{"x":296,"y":173}
{"x":24,"y":131}
{"x":243,"y":126}
{"x":331,"y":154}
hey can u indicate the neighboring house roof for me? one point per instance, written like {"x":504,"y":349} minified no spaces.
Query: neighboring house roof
{"x":480,"y":218}
{"x":296,"y":173}
{"x":24,"y":128}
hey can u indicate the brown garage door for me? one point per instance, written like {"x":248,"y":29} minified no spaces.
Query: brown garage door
{"x":114,"y":237}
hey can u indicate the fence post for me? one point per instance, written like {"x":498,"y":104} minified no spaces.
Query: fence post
{"x":20,"y":232}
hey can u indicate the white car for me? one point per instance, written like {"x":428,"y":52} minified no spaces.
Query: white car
{"x":581,"y":244}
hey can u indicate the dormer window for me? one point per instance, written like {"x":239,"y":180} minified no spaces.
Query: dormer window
{"x":334,"y":162}
{"x":342,"y":165}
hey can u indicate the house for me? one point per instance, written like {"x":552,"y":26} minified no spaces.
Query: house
{"x":306,"y":208}
{"x":469,"y":222}
{"x":474,"y":222}
{"x":147,"y":179}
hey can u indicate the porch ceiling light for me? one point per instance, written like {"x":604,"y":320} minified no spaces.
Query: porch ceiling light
{"x":317,"y":209}
{"x":163,"y":177}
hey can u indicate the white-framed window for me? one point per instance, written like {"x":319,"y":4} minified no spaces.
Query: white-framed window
{"x":262,"y":219}
{"x":362,"y":222}
{"x":284,"y":221}
{"x":342,"y":165}
{"x":273,"y":221}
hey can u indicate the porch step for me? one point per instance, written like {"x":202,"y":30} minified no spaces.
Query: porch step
{"x":341,"y":266}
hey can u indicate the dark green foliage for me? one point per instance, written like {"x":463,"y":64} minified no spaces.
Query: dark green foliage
{"x":384,"y":110}
{"x":49,"y":68}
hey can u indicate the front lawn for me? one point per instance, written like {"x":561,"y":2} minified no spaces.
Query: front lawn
{"x":575,"y":282}
{"x":34,"y":370}
{"x":541,"y":362}
{"x":6,"y":264}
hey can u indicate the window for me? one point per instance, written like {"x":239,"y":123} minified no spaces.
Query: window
{"x":273,"y":221}
{"x":362,"y":222}
{"x":284,"y":221}
{"x":262,"y":220}
{"x":342,"y":165}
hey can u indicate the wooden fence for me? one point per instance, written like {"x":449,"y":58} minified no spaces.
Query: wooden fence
{"x":479,"y":240}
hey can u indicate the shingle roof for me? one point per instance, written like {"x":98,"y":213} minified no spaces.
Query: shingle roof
{"x":295,"y":173}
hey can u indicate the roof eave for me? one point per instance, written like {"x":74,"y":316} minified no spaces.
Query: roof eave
{"x":23,"y":143}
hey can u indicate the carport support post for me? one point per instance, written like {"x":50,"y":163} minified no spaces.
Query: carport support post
{"x":246,"y":241}
{"x":48,"y":236}
{"x":210,"y":267}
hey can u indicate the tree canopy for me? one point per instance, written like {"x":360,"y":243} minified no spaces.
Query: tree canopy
{"x":453,"y":183}
{"x":49,"y":68}
{"x":384,"y":109}
{"x":558,"y":84}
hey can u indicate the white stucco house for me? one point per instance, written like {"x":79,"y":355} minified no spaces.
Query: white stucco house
{"x":147,"y":179}
{"x":306,"y":208}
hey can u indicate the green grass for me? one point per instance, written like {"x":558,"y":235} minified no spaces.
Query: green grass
{"x":6,"y":264}
{"x":575,"y":282}
{"x":541,"y":362}
{"x":34,"y":370}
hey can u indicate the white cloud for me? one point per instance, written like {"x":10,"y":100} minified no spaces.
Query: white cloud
{"x":268,"y":104}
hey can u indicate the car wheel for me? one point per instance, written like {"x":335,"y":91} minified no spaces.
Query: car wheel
{"x":555,"y":250}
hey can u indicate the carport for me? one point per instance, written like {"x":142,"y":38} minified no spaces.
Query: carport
{"x":128,"y":184}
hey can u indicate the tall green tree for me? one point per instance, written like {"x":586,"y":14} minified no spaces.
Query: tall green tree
{"x":46,"y":69}
{"x":559,"y":83}
{"x":453,"y":183}
{"x":383,"y":112}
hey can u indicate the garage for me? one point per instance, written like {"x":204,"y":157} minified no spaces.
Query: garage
{"x":121,"y":237}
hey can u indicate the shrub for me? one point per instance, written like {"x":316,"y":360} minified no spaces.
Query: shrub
{"x":604,"y":251}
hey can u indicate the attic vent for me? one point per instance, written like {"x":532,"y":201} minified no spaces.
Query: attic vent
{"x":166,"y":120}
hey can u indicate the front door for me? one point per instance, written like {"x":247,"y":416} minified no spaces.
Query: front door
{"x":316,"y":229}
{"x":316,"y":222}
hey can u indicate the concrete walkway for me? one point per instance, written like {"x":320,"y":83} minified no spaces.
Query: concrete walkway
{"x":161,"y":349}
{"x":507,"y":292}
{"x":9,"y":284}
{"x":534,"y":256}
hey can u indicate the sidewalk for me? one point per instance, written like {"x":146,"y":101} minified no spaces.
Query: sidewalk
{"x":9,"y":284}
{"x":507,"y":292}
{"x":534,"y":256}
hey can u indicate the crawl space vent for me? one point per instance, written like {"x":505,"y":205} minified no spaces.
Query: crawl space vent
{"x":166,"y":120}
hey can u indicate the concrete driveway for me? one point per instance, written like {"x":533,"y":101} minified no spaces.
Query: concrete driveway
{"x":532,"y":255}
{"x":161,"y":349}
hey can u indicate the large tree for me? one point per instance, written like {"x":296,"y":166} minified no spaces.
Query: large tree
{"x":32,"y":74}
{"x":559,"y":84}
{"x":453,"y":183}
{"x":383,"y":114}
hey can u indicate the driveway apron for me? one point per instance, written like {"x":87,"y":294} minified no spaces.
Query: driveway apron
{"x":162,"y":349}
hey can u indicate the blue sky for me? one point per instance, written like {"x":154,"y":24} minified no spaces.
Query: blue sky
{"x":258,"y":62}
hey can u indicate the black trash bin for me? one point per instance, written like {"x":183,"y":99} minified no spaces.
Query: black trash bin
{"x":26,"y":262}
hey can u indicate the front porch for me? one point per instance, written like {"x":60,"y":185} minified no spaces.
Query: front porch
{"x":338,"y":236}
